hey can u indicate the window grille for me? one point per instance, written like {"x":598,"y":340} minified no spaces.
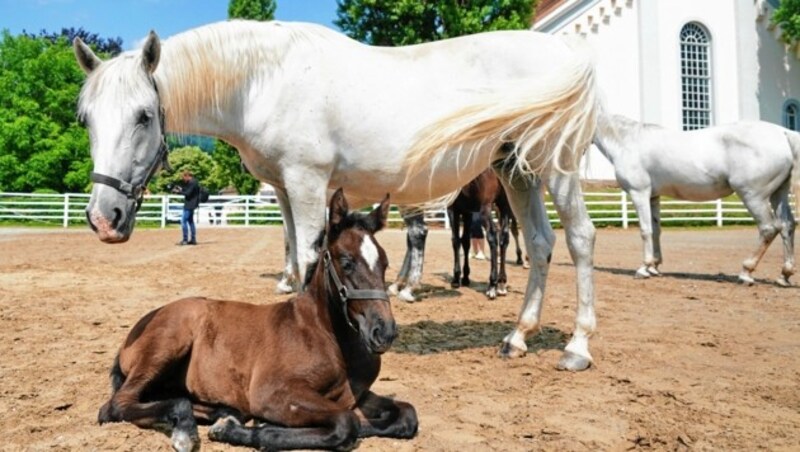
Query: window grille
{"x":791,"y":118}
{"x":695,"y":77}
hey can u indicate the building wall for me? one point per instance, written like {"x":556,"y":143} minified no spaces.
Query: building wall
{"x":778,"y":71}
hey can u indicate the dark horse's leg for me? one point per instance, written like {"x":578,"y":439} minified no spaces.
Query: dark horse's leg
{"x":455,"y":239}
{"x":466,"y":219}
{"x":502,"y":279}
{"x":386,"y":417}
{"x":491,"y":238}
{"x":410,"y":274}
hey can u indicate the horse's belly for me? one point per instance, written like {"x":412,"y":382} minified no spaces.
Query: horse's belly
{"x":692,"y":192}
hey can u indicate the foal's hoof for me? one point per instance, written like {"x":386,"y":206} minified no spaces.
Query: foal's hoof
{"x":507,"y":350}
{"x":183,"y":441}
{"x":491,"y":293}
{"x":407,"y":295}
{"x":220,"y":430}
{"x":573,"y":362}
{"x":642,"y":273}
{"x":746,"y":279}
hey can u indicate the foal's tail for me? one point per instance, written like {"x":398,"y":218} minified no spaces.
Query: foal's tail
{"x":794,"y":144}
{"x":550,"y":120}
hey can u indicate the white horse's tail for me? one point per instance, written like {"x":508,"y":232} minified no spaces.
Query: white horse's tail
{"x":794,"y":144}
{"x":550,"y":121}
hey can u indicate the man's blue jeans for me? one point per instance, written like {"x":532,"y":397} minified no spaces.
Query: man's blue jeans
{"x":187,"y":223}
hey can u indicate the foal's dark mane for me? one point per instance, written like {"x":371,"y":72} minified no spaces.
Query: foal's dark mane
{"x":357,"y":220}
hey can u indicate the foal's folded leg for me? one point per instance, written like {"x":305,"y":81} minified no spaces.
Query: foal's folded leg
{"x":382,"y":416}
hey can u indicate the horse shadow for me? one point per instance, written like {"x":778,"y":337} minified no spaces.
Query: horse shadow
{"x":719,"y":277}
{"x":478,"y":286}
{"x":429,"y":337}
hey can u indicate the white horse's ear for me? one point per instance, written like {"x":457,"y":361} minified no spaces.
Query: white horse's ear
{"x":338,"y":208}
{"x":380,"y":214}
{"x":87,"y":60}
{"x":151,"y":52}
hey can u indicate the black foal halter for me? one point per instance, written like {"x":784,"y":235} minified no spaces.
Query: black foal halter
{"x":136,"y":191}
{"x":343,"y":292}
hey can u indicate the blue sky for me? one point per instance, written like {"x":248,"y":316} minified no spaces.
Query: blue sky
{"x":132,"y":19}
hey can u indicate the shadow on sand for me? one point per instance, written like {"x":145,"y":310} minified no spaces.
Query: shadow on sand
{"x":428,"y":337}
{"x":719,"y":277}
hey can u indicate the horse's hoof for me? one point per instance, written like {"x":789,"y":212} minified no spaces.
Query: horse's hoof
{"x":747,"y":280}
{"x":283,"y":287}
{"x":392,"y":290}
{"x":454,"y":284}
{"x":641,"y":273}
{"x":491,"y":293}
{"x":783,"y":281}
{"x":465,"y":282}
{"x":519,"y":261}
{"x":507,"y":350}
{"x":183,"y":441}
{"x":653,"y":271}
{"x":502,"y":290}
{"x":406,"y":295}
{"x":573,"y":362}
{"x":217,"y":432}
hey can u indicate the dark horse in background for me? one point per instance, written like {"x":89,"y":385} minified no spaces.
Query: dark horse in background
{"x":301,"y":370}
{"x":483,"y":194}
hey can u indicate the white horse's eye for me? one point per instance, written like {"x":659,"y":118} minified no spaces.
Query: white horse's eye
{"x":143,"y":119}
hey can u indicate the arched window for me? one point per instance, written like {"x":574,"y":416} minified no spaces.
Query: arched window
{"x":695,"y":76}
{"x":791,"y":115}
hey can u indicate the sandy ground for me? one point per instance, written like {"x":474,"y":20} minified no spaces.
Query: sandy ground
{"x":689,"y":360}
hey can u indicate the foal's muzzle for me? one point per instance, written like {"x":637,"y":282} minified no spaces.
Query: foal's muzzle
{"x":381,"y":335}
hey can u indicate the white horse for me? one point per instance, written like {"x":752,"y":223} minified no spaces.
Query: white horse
{"x":756,"y":160}
{"x":309,"y":108}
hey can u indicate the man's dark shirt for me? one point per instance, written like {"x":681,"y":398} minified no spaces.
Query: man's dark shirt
{"x":191,"y":191}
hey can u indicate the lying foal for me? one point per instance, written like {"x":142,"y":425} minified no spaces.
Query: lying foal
{"x":301,"y":370}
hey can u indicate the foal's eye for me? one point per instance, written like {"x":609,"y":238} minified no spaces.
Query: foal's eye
{"x":348,"y":266}
{"x":143,"y":119}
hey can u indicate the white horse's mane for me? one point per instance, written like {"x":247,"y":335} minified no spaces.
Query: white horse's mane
{"x":201,"y":69}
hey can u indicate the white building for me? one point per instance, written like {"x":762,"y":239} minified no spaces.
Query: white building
{"x":683,"y":64}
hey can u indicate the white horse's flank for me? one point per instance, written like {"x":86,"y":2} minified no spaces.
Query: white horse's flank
{"x":759,"y":161}
{"x":310,"y":109}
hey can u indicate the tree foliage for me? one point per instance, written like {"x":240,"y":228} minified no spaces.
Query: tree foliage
{"x":109,"y":46}
{"x":251,"y":9}
{"x":404,"y":22}
{"x":42,"y":146}
{"x":193,"y":159}
{"x":787,"y":16}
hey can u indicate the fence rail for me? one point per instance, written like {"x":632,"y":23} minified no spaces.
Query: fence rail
{"x":605,"y":208}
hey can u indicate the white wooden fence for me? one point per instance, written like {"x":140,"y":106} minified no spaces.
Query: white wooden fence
{"x":608,"y":208}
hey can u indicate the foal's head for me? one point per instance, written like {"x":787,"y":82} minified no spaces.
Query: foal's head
{"x":354,"y":267}
{"x":120,"y":106}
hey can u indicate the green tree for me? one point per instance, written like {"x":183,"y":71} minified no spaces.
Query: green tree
{"x":251,"y":9}
{"x":190,"y":158}
{"x":42,"y":145}
{"x":787,"y":16}
{"x":404,"y":22}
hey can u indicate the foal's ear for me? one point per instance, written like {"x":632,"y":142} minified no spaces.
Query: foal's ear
{"x":87,"y":60}
{"x":338,"y":208}
{"x":151,"y":52}
{"x":380,"y":213}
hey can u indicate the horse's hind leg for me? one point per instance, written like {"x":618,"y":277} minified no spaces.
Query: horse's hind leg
{"x":780,"y":202}
{"x":502,"y":279}
{"x":565,"y":190}
{"x":641,"y":201}
{"x":408,"y":280}
{"x":491,"y":239}
{"x":288,"y":281}
{"x":385,"y":417}
{"x":466,"y":234}
{"x":769,"y":226}
{"x":515,"y":233}
{"x":655,"y":213}
{"x":455,"y":241}
{"x":117,"y":379}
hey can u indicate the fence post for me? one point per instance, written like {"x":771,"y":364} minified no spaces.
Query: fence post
{"x":247,"y":211}
{"x":66,"y":210}
{"x":164,"y":210}
{"x":624,"y":199}
{"x":719,"y":212}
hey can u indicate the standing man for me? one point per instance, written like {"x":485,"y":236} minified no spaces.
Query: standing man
{"x":191,"y":193}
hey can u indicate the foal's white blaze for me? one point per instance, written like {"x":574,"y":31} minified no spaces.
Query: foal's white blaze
{"x":369,"y":252}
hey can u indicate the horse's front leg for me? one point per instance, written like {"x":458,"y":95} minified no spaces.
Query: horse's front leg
{"x":455,"y":241}
{"x":565,"y":190}
{"x":641,"y":202}
{"x":306,"y":192}
{"x":502,"y":279}
{"x":527,"y":202}
{"x":289,"y":279}
{"x":410,"y":276}
{"x":491,"y":239}
{"x":655,"y":213}
{"x":381,"y":416}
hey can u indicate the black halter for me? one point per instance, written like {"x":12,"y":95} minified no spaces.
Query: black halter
{"x":344,"y":294}
{"x":136,"y":191}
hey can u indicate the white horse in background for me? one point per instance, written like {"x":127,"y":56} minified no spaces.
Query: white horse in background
{"x":309,"y":108}
{"x":758,"y":161}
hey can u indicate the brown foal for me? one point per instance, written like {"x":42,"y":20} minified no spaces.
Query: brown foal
{"x":301,"y":370}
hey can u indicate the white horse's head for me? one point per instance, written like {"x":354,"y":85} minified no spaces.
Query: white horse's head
{"x":120,"y":105}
